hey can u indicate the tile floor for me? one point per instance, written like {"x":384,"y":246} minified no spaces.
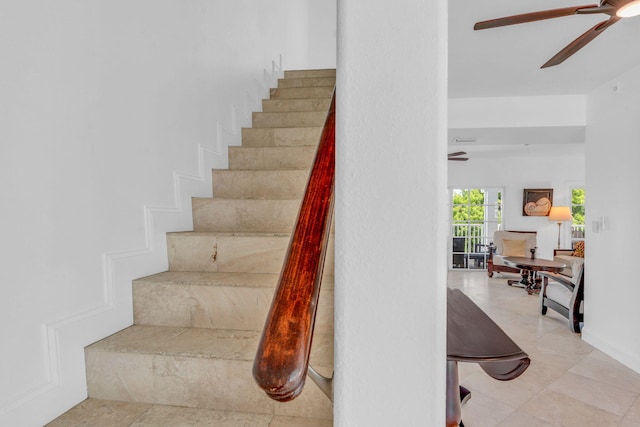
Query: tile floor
{"x":569,"y":383}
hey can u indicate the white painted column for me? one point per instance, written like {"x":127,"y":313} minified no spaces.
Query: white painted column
{"x":611,"y":292}
{"x":391,"y":213}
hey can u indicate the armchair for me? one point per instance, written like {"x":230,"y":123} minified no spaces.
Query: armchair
{"x":565,"y":295}
{"x":509,"y":243}
{"x":573,"y":259}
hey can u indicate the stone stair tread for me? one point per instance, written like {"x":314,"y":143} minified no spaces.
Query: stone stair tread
{"x":260,"y":171}
{"x":271,"y":158}
{"x":244,"y":215}
{"x":181,"y":342}
{"x":302,"y":104}
{"x":259,"y":184}
{"x":321,"y":72}
{"x":307,"y":81}
{"x":247,"y":199}
{"x":302,"y":92}
{"x":280,"y":137}
{"x":203,"y":278}
{"x":292,"y":114}
{"x":228,"y":234}
{"x":100,"y":412}
{"x":199,"y":343}
{"x":238,"y":301}
{"x":285,"y":128}
{"x":230,"y":279}
{"x":288,"y":119}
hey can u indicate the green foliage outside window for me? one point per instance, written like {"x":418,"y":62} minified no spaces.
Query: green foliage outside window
{"x":577,"y":205}
{"x":468,"y":205}
{"x":577,"y":211}
{"x":468,"y":213}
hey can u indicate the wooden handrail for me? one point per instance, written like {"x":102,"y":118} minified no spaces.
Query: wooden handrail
{"x":282,"y":360}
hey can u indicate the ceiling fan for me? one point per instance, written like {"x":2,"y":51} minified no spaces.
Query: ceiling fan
{"x":616,"y":9}
{"x":456,"y":156}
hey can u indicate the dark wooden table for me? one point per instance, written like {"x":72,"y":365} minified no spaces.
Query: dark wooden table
{"x":530,"y":268}
{"x":473,"y":337}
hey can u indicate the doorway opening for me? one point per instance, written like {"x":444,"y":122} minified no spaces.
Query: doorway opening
{"x":476,"y":213}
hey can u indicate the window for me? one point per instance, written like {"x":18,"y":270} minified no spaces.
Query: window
{"x":577,"y":211}
{"x":475,"y":215}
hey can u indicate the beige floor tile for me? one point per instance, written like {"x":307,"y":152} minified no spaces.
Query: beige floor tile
{"x":541,"y":373}
{"x":103,"y":413}
{"x":299,"y":422}
{"x":632,"y":417}
{"x":600,"y":395}
{"x":484,"y":411}
{"x":560,"y":410}
{"x":603,"y":368}
{"x":171,"y":416}
{"x":513,"y":393}
{"x":522,"y":419}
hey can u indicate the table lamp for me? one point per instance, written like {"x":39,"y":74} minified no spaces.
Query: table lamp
{"x":559,"y":214}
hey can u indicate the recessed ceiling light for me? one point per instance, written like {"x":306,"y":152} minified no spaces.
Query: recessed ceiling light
{"x":467,"y":139}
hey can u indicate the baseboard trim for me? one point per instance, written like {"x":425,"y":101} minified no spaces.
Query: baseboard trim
{"x":630,"y":360}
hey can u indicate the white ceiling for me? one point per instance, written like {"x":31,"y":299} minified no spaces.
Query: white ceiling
{"x":506,"y":62}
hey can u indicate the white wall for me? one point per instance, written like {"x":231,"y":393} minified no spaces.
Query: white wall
{"x":613,"y":186}
{"x":518,"y":111}
{"x":322,"y":33}
{"x":112,"y":114}
{"x":390,"y":294}
{"x":533,"y":170}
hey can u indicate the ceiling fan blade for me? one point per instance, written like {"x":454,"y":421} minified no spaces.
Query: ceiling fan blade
{"x":457,"y":153}
{"x":580,"y":42}
{"x":458,"y":159}
{"x":530,"y":17}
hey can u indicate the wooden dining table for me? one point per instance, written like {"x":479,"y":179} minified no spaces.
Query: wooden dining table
{"x":530,"y":268}
{"x":474,"y":337}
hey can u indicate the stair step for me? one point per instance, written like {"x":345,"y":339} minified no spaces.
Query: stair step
{"x":289,"y":119}
{"x":196,"y":368}
{"x":328,"y":72}
{"x":231,"y":252}
{"x":302,"y":92}
{"x":215,"y":300}
{"x":244,"y":215}
{"x":307,"y":82}
{"x":280,"y":137}
{"x":271,"y":158}
{"x":305,"y":104}
{"x":269,"y":184}
{"x":102,"y":413}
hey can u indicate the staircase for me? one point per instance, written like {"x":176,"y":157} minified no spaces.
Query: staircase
{"x":197,"y":326}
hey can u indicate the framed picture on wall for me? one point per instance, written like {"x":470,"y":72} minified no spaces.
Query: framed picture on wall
{"x":537,"y":201}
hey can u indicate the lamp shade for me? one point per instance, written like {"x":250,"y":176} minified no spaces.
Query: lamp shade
{"x":560,"y":213}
